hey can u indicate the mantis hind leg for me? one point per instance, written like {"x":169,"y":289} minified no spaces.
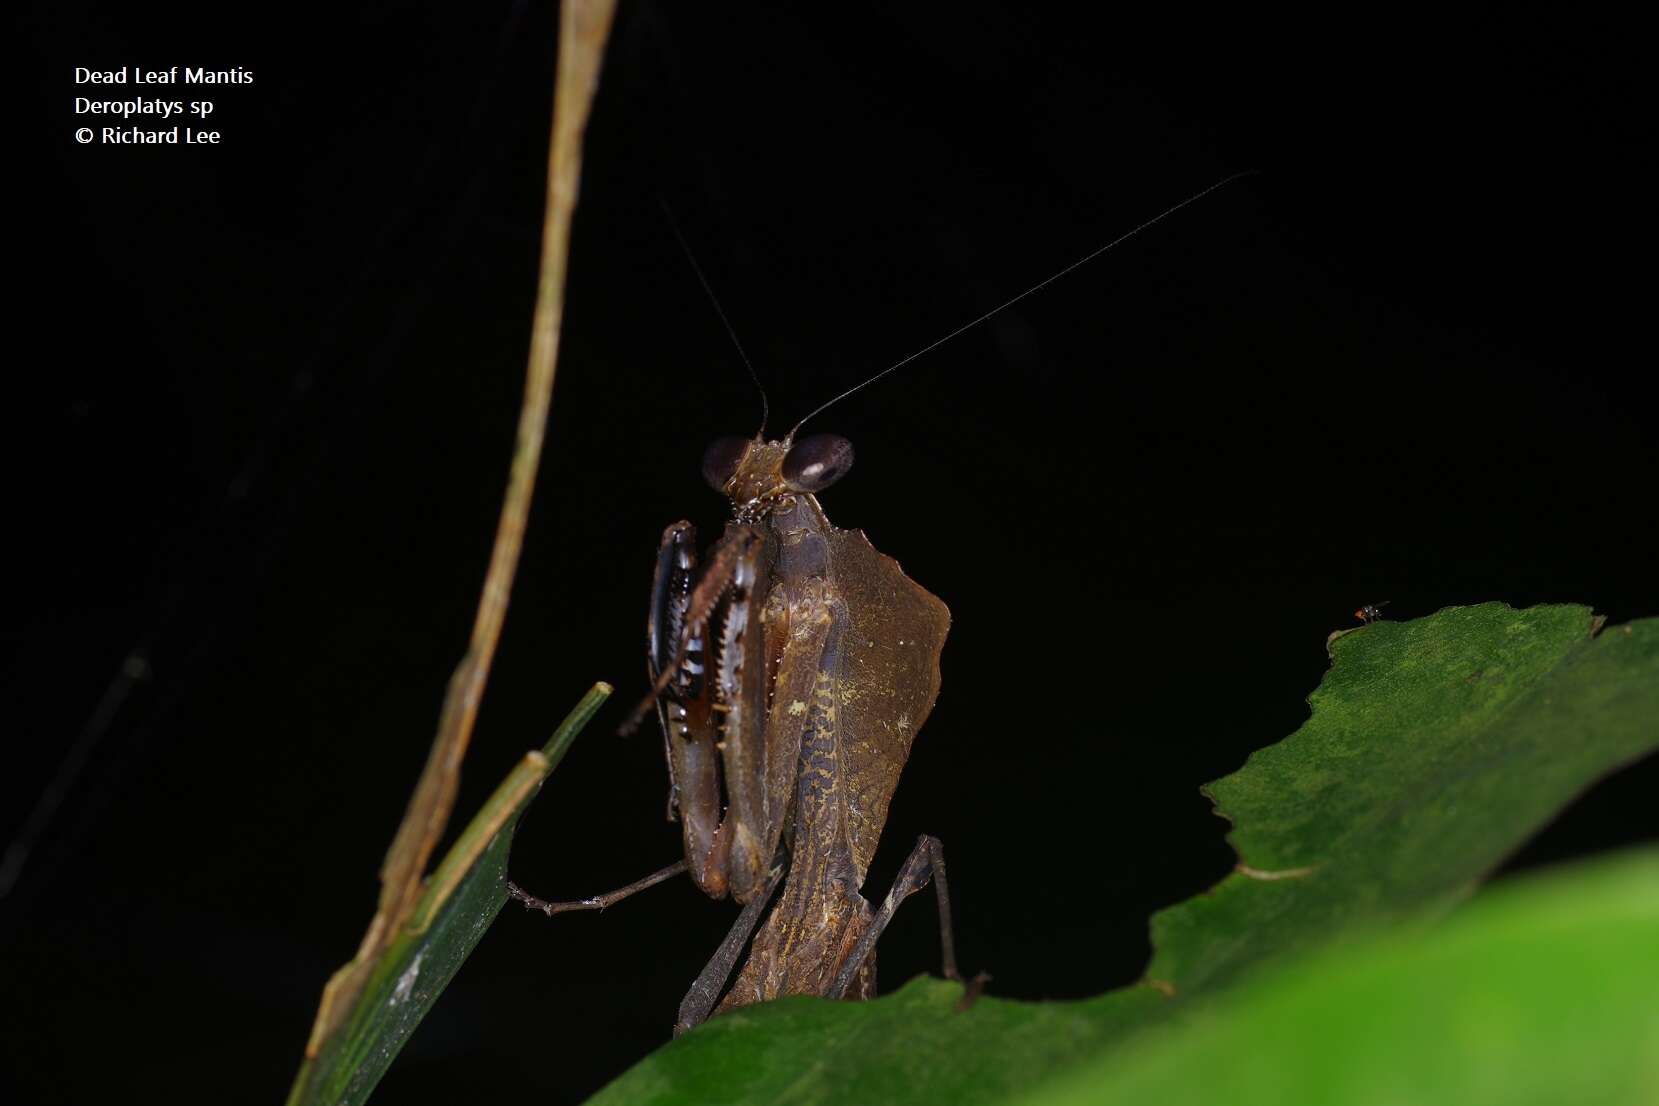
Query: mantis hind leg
{"x":706,"y":988}
{"x":925,"y":864}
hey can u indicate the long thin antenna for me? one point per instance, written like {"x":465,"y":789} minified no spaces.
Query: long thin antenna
{"x":673,"y":224}
{"x":1080,"y":262}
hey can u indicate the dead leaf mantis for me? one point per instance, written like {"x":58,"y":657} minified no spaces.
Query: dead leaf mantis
{"x":791,"y":670}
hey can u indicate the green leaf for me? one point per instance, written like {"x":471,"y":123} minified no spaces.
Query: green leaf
{"x":1540,"y":992}
{"x":1436,"y":747}
{"x":462,"y":897}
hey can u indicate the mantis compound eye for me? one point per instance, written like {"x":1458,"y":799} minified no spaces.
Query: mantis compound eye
{"x":816,"y":462}
{"x":720,"y":461}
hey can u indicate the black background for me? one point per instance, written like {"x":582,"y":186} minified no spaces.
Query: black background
{"x":277,"y":381}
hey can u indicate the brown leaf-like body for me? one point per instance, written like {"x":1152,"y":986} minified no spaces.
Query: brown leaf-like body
{"x":806,"y":663}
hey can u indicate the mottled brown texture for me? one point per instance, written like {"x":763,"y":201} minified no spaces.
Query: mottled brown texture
{"x":887,"y":680}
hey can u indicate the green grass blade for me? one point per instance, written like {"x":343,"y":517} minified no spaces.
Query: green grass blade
{"x":461,"y":899}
